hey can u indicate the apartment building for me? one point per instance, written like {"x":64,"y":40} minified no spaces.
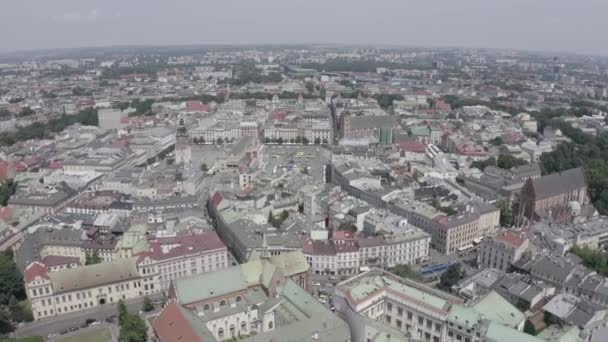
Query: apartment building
{"x":428,"y":314}
{"x":175,"y":256}
{"x":500,"y":251}
{"x":53,"y":293}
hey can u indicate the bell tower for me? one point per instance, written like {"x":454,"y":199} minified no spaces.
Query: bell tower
{"x":183,"y":149}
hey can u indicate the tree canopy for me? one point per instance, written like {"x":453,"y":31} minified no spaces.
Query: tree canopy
{"x":38,"y":130}
{"x":12,"y":292}
{"x":92,"y":258}
{"x":132,"y":327}
{"x":596,"y":260}
{"x":404,"y":271}
{"x":451,"y":276}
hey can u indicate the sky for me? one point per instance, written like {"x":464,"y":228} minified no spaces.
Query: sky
{"x":576,"y":26}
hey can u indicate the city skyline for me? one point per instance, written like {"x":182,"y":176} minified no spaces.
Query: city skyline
{"x":521,"y":25}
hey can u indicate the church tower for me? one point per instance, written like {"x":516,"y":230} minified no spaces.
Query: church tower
{"x":183,"y":150}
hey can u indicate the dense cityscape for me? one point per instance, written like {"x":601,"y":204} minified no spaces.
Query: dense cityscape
{"x":303,"y":193}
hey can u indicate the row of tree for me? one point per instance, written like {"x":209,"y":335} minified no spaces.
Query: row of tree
{"x":13,"y":305}
{"x":7,"y":189}
{"x":504,"y":161}
{"x":87,"y":117}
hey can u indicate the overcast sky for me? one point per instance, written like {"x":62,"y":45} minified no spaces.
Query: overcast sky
{"x":553,"y":25}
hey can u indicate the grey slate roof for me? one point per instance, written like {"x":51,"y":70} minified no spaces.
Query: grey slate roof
{"x":560,"y":182}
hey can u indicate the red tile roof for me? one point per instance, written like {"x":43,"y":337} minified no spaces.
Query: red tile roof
{"x":172,"y":325}
{"x":182,"y":245}
{"x":343,"y":235}
{"x":412,"y":146}
{"x":56,"y":260}
{"x":217,"y":199}
{"x":6,"y":213}
{"x":35,"y":270}
{"x":196,"y":106}
{"x":510,"y":238}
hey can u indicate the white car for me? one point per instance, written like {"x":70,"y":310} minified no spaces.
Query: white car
{"x":316,"y":284}
{"x":94,"y":323}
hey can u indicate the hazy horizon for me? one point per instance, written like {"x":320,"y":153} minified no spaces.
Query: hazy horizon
{"x":534,"y":25}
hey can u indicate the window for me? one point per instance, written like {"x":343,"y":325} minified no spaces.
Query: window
{"x":409,"y":315}
{"x":270,"y":325}
{"x":222,"y":302}
{"x":232,"y":330}
{"x":243,"y":325}
{"x":400,"y":311}
{"x":398,"y":322}
{"x":238,"y":299}
{"x":388,"y":319}
{"x":206,"y":307}
{"x":220,"y":332}
{"x":389,"y":307}
{"x":420,"y":320}
{"x":437,"y":327}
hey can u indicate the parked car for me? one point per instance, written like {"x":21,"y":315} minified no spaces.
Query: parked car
{"x":63,"y":332}
{"x":73,"y":328}
{"x":90,"y":320}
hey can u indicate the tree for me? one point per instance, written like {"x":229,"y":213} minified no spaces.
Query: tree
{"x":304,"y":140}
{"x":195,"y":140}
{"x":147,"y":306}
{"x":11,"y":280}
{"x":386,"y":100}
{"x":122,"y":312}
{"x":324,"y":141}
{"x":133,"y":329}
{"x":92,"y":258}
{"x":448,"y":211}
{"x":451,"y":276}
{"x":7,"y":189}
{"x":507,"y":161}
{"x":310,"y":87}
{"x":404,"y":271}
{"x":529,"y":328}
{"x":506,"y":213}
{"x":347,"y":226}
{"x":204,"y":167}
{"x":496,"y":141}
{"x":317,"y":141}
{"x":220,"y":141}
{"x":280,"y":141}
{"x":26,"y":111}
